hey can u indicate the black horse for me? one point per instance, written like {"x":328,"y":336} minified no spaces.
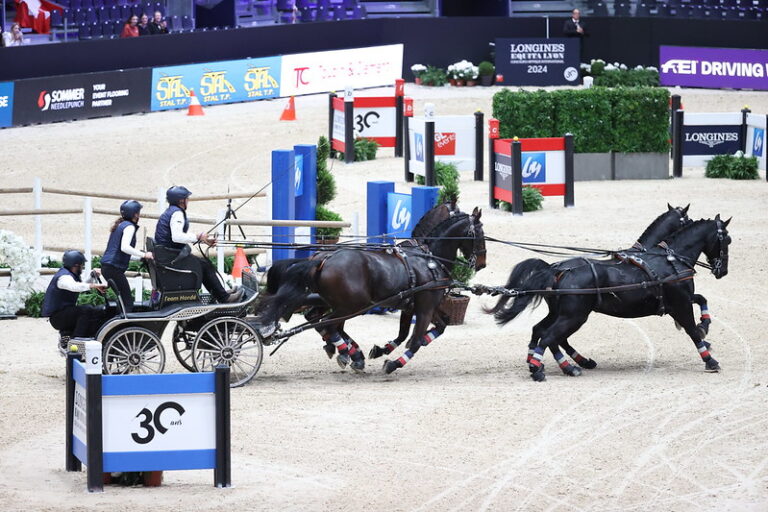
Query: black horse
{"x":656,"y":282}
{"x":663,"y":226}
{"x":414,"y":275}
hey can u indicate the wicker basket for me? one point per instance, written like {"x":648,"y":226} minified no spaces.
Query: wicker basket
{"x":454,"y":307}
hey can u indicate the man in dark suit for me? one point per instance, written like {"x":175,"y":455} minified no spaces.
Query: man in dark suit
{"x":575,"y":27}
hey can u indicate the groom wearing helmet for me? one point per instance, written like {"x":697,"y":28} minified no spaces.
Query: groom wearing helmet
{"x":121,"y":247}
{"x":172,"y":231}
{"x":60,"y":302}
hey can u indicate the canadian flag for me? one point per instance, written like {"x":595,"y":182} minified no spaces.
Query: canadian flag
{"x":36,"y":14}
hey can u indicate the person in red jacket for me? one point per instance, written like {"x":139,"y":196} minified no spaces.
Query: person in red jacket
{"x":131,"y":28}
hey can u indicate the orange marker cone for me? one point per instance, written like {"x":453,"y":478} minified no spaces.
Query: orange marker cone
{"x":195,"y":109}
{"x":240,"y":262}
{"x":289,"y":112}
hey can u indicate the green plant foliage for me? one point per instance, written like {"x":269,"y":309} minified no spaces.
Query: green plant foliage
{"x":94,"y":298}
{"x":597,"y":67}
{"x":486,"y":68}
{"x":96,"y":262}
{"x":640,"y":120}
{"x":718,"y":167}
{"x":532,"y":199}
{"x":323,"y":213}
{"x":586,"y":113}
{"x":743,"y":168}
{"x":503,"y":205}
{"x":434,"y":76}
{"x":51,"y":263}
{"x":326,"y":184}
{"x":33,"y":306}
{"x":323,"y":152}
{"x":365,"y":149}
{"x":600,"y":119}
{"x":229,"y":263}
{"x":462,"y":271}
{"x":524,"y":113}
{"x":447,"y":177}
{"x":628,"y":78}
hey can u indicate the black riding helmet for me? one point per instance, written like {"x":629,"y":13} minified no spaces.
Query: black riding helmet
{"x":175,"y":194}
{"x":129,"y":209}
{"x":72,"y":258}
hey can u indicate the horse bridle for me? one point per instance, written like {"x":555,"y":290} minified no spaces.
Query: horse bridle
{"x":718,"y":262}
{"x":476,"y":251}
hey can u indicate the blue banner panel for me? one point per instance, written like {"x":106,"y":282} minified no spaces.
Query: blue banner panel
{"x":400,"y":220}
{"x":159,"y":461}
{"x":6,"y":104}
{"x":532,"y":61}
{"x":216,"y":83}
{"x":711,"y":139}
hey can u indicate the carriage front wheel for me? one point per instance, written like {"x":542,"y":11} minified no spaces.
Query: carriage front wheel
{"x":232,"y":342}
{"x":133,"y":350}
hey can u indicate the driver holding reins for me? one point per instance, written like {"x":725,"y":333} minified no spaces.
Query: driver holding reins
{"x":173,"y":232}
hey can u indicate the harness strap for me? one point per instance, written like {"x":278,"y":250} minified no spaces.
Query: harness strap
{"x":643,"y":265}
{"x":594,"y":275}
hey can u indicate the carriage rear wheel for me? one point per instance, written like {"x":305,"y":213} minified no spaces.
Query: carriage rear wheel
{"x":232,"y":342}
{"x":133,"y":350}
{"x":182,"y":346}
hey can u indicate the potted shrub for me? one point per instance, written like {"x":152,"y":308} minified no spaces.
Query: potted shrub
{"x":470,"y":74}
{"x":418,"y":71}
{"x":454,"y":304}
{"x":327,"y":235}
{"x":486,"y":70}
{"x":434,"y":76}
{"x":453,"y":74}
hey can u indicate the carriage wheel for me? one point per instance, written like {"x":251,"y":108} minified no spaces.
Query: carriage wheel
{"x":133,"y":350}
{"x":182,"y":346}
{"x":232,"y":342}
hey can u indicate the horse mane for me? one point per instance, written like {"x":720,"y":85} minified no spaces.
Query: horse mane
{"x":688,"y":227}
{"x":431,"y":220}
{"x":657,"y":221}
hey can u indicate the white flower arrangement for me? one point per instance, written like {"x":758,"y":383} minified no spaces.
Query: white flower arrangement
{"x":463,"y":70}
{"x":610,"y":67}
{"x":418,"y":70}
{"x":16,"y":254}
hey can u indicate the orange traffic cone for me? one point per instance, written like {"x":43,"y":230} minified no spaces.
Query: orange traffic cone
{"x":240,"y":262}
{"x":195,"y":109}
{"x":289,"y":112}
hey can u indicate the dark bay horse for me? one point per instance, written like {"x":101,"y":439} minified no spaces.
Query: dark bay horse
{"x":414,"y":275}
{"x":662,"y":227}
{"x":656,"y":282}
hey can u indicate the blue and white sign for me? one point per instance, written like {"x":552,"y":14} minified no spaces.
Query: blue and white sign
{"x":418,"y":139}
{"x":6,"y":104}
{"x":758,"y":142}
{"x":399,"y":214}
{"x":298,"y":176}
{"x":534,"y":167}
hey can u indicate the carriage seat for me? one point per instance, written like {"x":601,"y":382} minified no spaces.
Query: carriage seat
{"x":173,"y":273}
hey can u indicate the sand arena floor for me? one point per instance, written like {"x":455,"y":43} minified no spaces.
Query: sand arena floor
{"x":462,"y":427}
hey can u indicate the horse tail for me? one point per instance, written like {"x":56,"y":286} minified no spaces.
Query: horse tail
{"x":275,"y":274}
{"x":296,"y":279}
{"x":531,"y":274}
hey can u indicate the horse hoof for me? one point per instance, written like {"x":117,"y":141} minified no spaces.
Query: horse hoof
{"x":358,"y":366}
{"x":376,"y":352}
{"x":533,"y":368}
{"x":389,"y":367}
{"x":588,"y":364}
{"x":343,"y":360}
{"x":329,"y":350}
{"x":572,"y":371}
{"x":539,"y":376}
{"x":712,"y":366}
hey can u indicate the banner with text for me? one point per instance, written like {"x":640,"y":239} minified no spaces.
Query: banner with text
{"x":713,"y":67}
{"x":708,"y":134}
{"x":308,"y":73}
{"x":69,"y":97}
{"x":216,"y":83}
{"x":6,"y":104}
{"x":531,"y":61}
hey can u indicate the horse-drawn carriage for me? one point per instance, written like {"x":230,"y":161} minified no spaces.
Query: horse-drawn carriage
{"x":206,"y":334}
{"x":414,"y":277}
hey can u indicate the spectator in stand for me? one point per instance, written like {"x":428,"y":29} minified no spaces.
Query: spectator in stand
{"x":13,"y":38}
{"x":158,"y":24}
{"x":144,"y":25}
{"x":131,"y":28}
